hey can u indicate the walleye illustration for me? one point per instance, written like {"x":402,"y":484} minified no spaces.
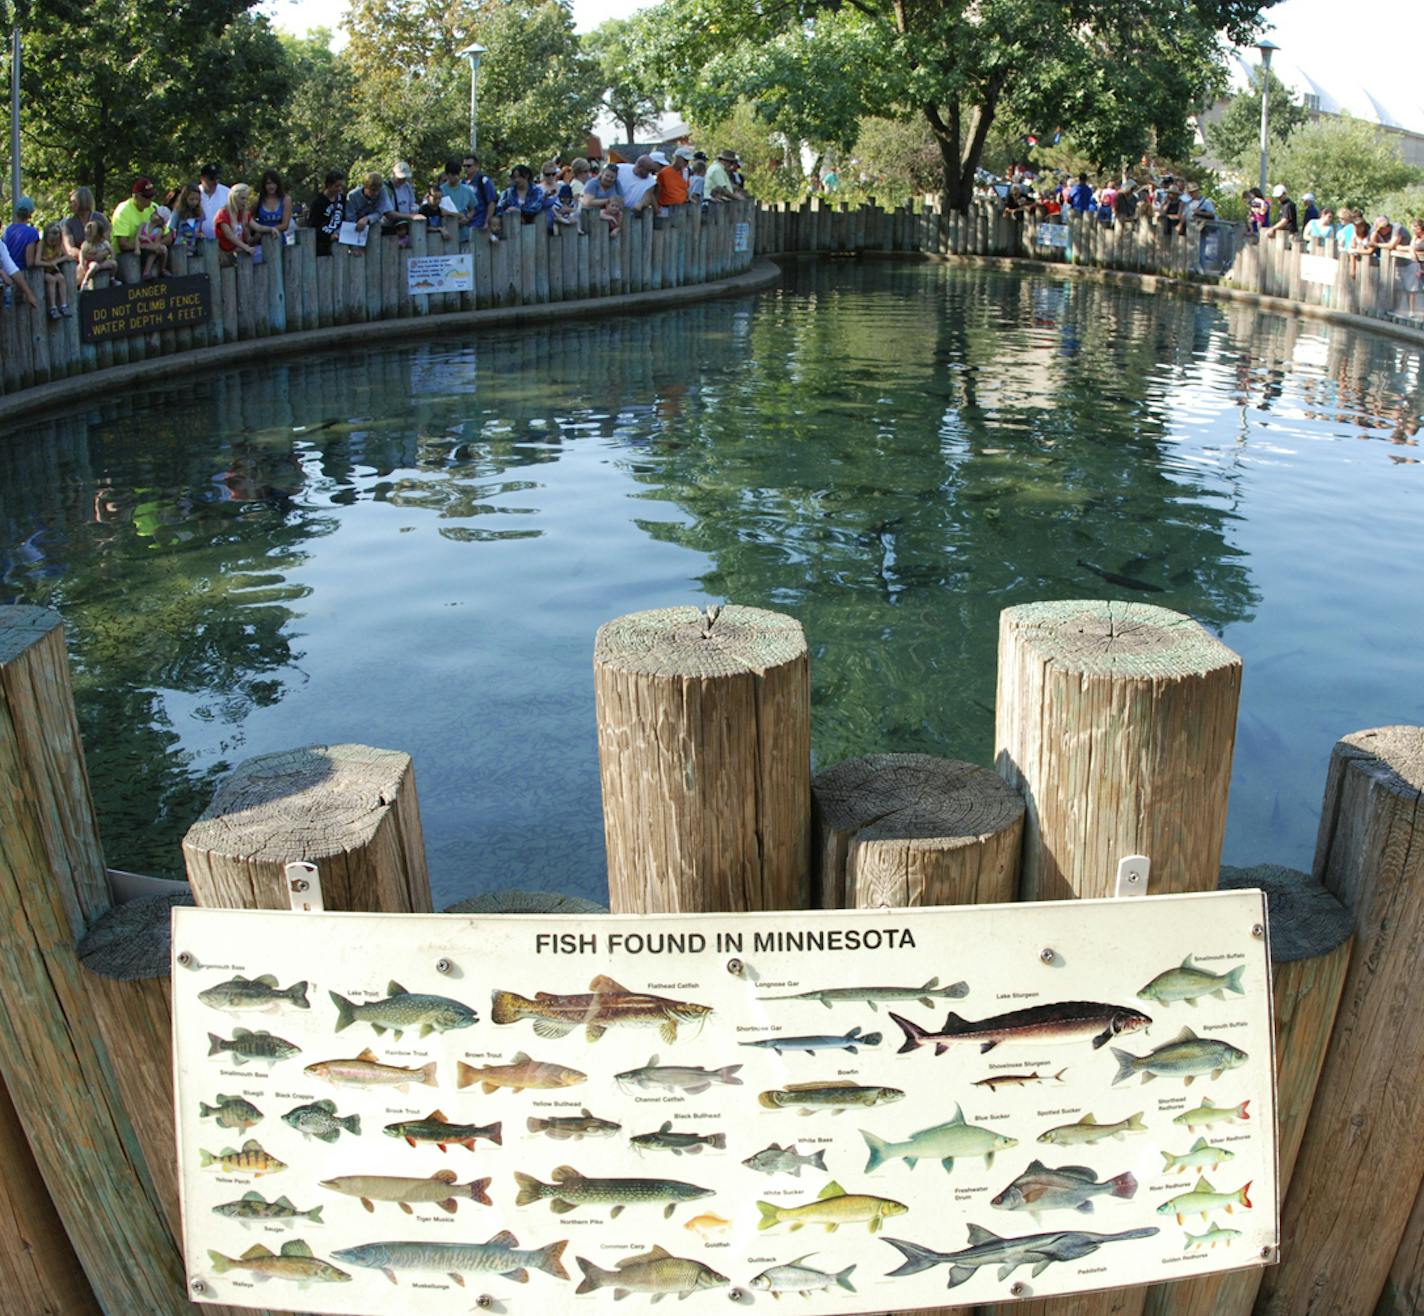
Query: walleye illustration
{"x":442,"y":1189}
{"x":874,"y":997}
{"x":1207,"y":1114}
{"x":231,"y":1112}
{"x":402,"y":1010}
{"x":1188,"y":983}
{"x":252,"y":1208}
{"x":1042,"y":1025}
{"x":437,"y":1129}
{"x":1204,"y":1199}
{"x":583,"y":1125}
{"x":570,"y":1189}
{"x":606,"y":1005}
{"x":996,"y":1081}
{"x":365,"y":1071}
{"x":793,"y":1277}
{"x":1199,"y":1156}
{"x":1088,"y":1131}
{"x":1186,"y":1056}
{"x":241,"y":994}
{"x":320,"y":1120}
{"x":664,"y":1139}
{"x":1216,"y":1234}
{"x":709,"y":1225}
{"x":251,"y":1159}
{"x":1068,"y":1188}
{"x":777,"y":1159}
{"x":501,"y":1256}
{"x":851,"y":1041}
{"x":248,"y":1045}
{"x":832,"y":1208}
{"x":834,"y":1095}
{"x":520,"y":1073}
{"x":657,"y":1272}
{"x":295,"y":1262}
{"x":691,"y":1079}
{"x":987,"y":1249}
{"x":941,"y":1142}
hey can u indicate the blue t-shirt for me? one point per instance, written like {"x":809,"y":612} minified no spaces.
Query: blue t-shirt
{"x":17,"y":237}
{"x":1081,"y":197}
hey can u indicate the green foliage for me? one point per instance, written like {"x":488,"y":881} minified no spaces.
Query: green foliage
{"x":899,"y":158}
{"x":773,"y":171}
{"x":1403,"y":205}
{"x":316,"y":130}
{"x":630,"y":92}
{"x":1344,"y":161}
{"x":1236,"y":136}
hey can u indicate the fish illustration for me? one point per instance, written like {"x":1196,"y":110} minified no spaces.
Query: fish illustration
{"x":1205,"y":1115}
{"x":941,"y":1142}
{"x":664,"y":1139}
{"x":1187,"y":983}
{"x":253,"y":1207}
{"x":570,"y":1189}
{"x":252,"y":1159}
{"x":402,"y":1010}
{"x":1216,"y":1234}
{"x":1087,"y":1131}
{"x":776,"y":1159}
{"x":850,"y":1041}
{"x":520,"y":1073}
{"x":835,"y":1095}
{"x":708,"y":1225}
{"x":365,"y":1071}
{"x":436,"y":1128}
{"x":239,"y":993}
{"x":987,"y":1249}
{"x":1198,"y":1157}
{"x":1204,"y":1199}
{"x":231,"y":1112}
{"x":247,"y":1045}
{"x":1044,"y":1025}
{"x":874,"y":997}
{"x":657,"y":1272}
{"x":793,"y":1277}
{"x":501,"y":1256}
{"x":996,"y":1081}
{"x":1068,"y":1188}
{"x":832,"y":1208}
{"x":583,"y":1125}
{"x":691,"y":1079}
{"x":320,"y":1120}
{"x":606,"y":1004}
{"x":441,"y":1189}
{"x":1185,"y":1057}
{"x":295,"y":1262}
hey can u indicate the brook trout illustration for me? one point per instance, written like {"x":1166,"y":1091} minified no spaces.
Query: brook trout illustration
{"x":570,"y":1189}
{"x":606,"y":1005}
{"x":436,"y":1128}
{"x":500,"y":1256}
{"x":832,"y":1208}
{"x":1043,"y":1025}
{"x":441,"y":1189}
{"x":520,"y":1073}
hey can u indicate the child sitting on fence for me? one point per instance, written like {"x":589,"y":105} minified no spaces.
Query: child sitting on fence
{"x":612,"y":214}
{"x":96,"y":256}
{"x":52,"y":258}
{"x":186,"y":224}
{"x":564,"y":205}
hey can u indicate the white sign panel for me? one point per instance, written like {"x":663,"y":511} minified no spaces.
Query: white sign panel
{"x":868,"y":1107}
{"x":1053,"y":235}
{"x":1318,"y":269}
{"x":427,"y":274}
{"x":742,"y":237}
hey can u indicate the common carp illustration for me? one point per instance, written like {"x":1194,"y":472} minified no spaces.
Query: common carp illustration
{"x":941,"y":1142}
{"x":691,"y":1079}
{"x":501,"y":1256}
{"x":987,"y":1249}
{"x":520,"y":1073}
{"x":1041,"y":1025}
{"x":834,"y":1095}
{"x":874,"y":997}
{"x":996,"y":1081}
{"x":436,"y":1129}
{"x":1188,"y":983}
{"x":231,"y":1112}
{"x":1198,"y":1157}
{"x":1068,"y":1188}
{"x":794,"y":1277}
{"x":401,"y":1010}
{"x":777,"y":1159}
{"x":851,"y":1041}
{"x":1186,"y":1056}
{"x":442,"y":1189}
{"x":657,"y":1272}
{"x":833,"y":1207}
{"x":365,"y":1071}
{"x":1088,"y":1131}
{"x":583,"y":1125}
{"x":318,"y":1119}
{"x":1216,"y":1234}
{"x":241,"y":994}
{"x":248,"y":1045}
{"x":1207,"y":1114}
{"x":295,"y":1262}
{"x":664,"y":1139}
{"x":252,"y":1208}
{"x":570,"y":1189}
{"x":1204,"y":1199}
{"x":607,"y":1004}
{"x":250,"y":1159}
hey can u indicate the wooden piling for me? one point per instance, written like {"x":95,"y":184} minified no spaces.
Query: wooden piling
{"x":1404,"y":1290}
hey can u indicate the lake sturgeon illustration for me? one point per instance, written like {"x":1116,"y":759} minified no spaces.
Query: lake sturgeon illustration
{"x":987,"y":1249}
{"x":607,"y":1004}
{"x":1042,"y":1025}
{"x":941,"y":1142}
{"x":851,"y":1041}
{"x":657,"y":1272}
{"x":295,"y":1262}
{"x":833,"y":1207}
{"x":442,"y":1189}
{"x":241,"y":994}
{"x":874,"y":997}
{"x":401,"y":1010}
{"x":570,"y":1189}
{"x":1189,"y":983}
{"x":501,"y":1256}
{"x":1186,"y":1056}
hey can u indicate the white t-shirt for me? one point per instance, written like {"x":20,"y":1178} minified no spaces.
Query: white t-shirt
{"x":7,"y":262}
{"x":211,"y":205}
{"x":634,"y":188}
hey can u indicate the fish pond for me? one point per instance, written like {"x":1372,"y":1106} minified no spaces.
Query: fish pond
{"x":412,"y":547}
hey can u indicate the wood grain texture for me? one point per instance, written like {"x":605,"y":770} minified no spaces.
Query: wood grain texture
{"x":1404,"y":1290}
{"x":1361,"y":1164}
{"x":704,"y":747}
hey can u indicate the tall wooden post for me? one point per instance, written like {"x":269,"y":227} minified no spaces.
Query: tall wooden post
{"x":1404,"y":1290}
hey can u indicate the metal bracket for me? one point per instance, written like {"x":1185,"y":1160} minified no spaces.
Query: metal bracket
{"x":1132,"y":876}
{"x":304,"y":887}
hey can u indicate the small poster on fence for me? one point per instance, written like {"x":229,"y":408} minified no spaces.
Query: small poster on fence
{"x":1318,"y":269}
{"x":428,"y":274}
{"x":351,"y":236}
{"x":742,"y":237}
{"x":1052,"y":235}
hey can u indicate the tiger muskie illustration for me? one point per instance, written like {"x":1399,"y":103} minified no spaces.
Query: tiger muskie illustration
{"x":606,"y":1004}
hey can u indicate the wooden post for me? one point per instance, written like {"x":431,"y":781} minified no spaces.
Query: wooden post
{"x":1404,"y":1291}
{"x":1135,"y":704}
{"x":1362,"y":1162}
{"x":704,"y":747}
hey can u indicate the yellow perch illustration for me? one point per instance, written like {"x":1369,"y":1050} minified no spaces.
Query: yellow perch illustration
{"x":520,"y":1073}
{"x":832,"y":1208}
{"x":606,"y":1004}
{"x":252,"y":1159}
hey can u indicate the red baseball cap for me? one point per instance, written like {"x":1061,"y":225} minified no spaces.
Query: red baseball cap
{"x":142,"y":185}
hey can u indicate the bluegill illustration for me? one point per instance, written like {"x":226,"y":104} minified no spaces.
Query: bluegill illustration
{"x":1068,"y":1188}
{"x":1088,"y":1131}
{"x":242,"y":994}
{"x":583,"y":1125}
{"x":776,"y":1159}
{"x":252,"y":1208}
{"x":437,"y":1130}
{"x":874,"y":997}
{"x":1188,"y":983}
{"x":795,"y":1277}
{"x":501,"y":1256}
{"x":1204,"y":1199}
{"x":941,"y":1142}
{"x":833,"y":1207}
{"x":1043,"y":1025}
{"x":251,"y":1158}
{"x":442,"y":1189}
{"x":1199,"y":1156}
{"x":987,"y":1249}
{"x":231,"y":1112}
{"x":1208,"y":1113}
{"x":1186,"y":1057}
{"x":851,"y":1041}
{"x":664,"y":1139}
{"x":295,"y":1262}
{"x":691,"y":1079}
{"x":834,"y":1095}
{"x":247,"y":1045}
{"x":657,"y":1272}
{"x":570,"y":1189}
{"x":401,"y":1010}
{"x":319,"y":1119}
{"x":520,"y":1073}
{"x":607,"y":1004}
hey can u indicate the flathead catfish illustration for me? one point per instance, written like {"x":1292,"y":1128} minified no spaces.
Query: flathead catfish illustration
{"x":607,"y":1004}
{"x":1043,"y":1025}
{"x":987,"y":1249}
{"x":240,"y":994}
{"x":874,"y":997}
{"x":401,"y":1010}
{"x":1186,"y":1057}
{"x":851,"y":1041}
{"x":1187,"y":983}
{"x":570,"y":1189}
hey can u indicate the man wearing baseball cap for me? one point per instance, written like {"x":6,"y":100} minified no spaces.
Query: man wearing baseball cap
{"x":1285,"y":208}
{"x":130,"y":229}
{"x":22,"y":239}
{"x":673,"y":180}
{"x":9,"y":269}
{"x":405,"y":205}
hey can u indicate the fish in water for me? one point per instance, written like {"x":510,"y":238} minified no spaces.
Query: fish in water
{"x":295,"y":1262}
{"x":1068,"y":1188}
{"x":436,"y":1128}
{"x":664,"y":1139}
{"x":835,"y":1095}
{"x":1127,"y":582}
{"x":708,"y":1225}
{"x":793,"y":1277}
{"x":501,"y":1256}
{"x":231,"y":1112}
{"x":1204,"y":1199}
{"x":657,"y":1272}
{"x":402,"y":1010}
{"x":850,"y":1041}
{"x":874,"y":997}
{"x":1088,"y":1131}
{"x":987,"y":1249}
{"x":583,"y":1125}
{"x":1043,"y":1025}
{"x":252,"y":1208}
{"x":252,"y":1159}
{"x":1197,"y":1158}
{"x":1187,"y":983}
{"x":442,"y":1189}
{"x":691,"y":1079}
{"x":247,"y":1045}
{"x":1216,"y":1234}
{"x":570,"y":1189}
{"x":1186,"y":1057}
{"x":776,"y":1159}
{"x":1205,"y":1115}
{"x":832,"y":1208}
{"x":941,"y":1142}
{"x":319,"y":1119}
{"x":240,"y":994}
{"x":365,"y":1071}
{"x":996,"y":1081}
{"x":520,"y":1073}
{"x":606,"y":1005}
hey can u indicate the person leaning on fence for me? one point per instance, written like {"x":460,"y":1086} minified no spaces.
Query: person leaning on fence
{"x":1413,"y":282}
{"x":327,"y":211}
{"x":1287,"y":216}
{"x":186,"y":222}
{"x":214,"y":198}
{"x":81,"y":211}
{"x":1322,"y":228}
{"x":10,"y":276}
{"x":697,"y":182}
{"x":524,"y":197}
{"x":131,"y":229}
{"x":602,"y":190}
{"x":719,"y":185}
{"x":580,"y":176}
{"x":405,"y":209}
{"x":484,"y":197}
{"x":231,"y":224}
{"x":368,"y":203}
{"x":673,"y":185}
{"x":52,"y":258}
{"x":22,"y":238}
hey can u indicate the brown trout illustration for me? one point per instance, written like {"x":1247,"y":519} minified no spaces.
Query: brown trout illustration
{"x":520,"y":1073}
{"x":606,"y":1004}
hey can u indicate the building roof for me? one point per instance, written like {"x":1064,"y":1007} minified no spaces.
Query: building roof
{"x":1329,"y":91}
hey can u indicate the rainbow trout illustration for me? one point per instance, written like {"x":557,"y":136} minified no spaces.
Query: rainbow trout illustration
{"x":607,"y":1004}
{"x":1042,"y":1025}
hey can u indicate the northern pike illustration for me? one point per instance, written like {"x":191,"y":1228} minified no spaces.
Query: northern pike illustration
{"x":365,"y":1071}
{"x":583,"y":1125}
{"x":996,"y":1081}
{"x":1088,"y":1130}
{"x":437,"y":1129}
{"x":1042,"y":1025}
{"x":1198,"y":1157}
{"x":941,"y":1142}
{"x":1186,"y":1056}
{"x":664,"y":1139}
{"x":442,"y":1189}
{"x":987,"y":1249}
{"x":1207,"y":1114}
{"x":295,"y":1262}
{"x":691,"y":1079}
{"x":1187,"y":983}
{"x":657,"y":1272}
{"x":606,"y":1004}
{"x":1068,"y":1188}
{"x":1204,"y":1199}
{"x":242,"y":994}
{"x":401,"y":1010}
{"x":874,"y":997}
{"x":832,"y":1208}
{"x":252,"y":1208}
{"x":231,"y":1112}
{"x":794,"y":1277}
{"x":570,"y":1189}
{"x":834,"y":1095}
{"x":520,"y":1073}
{"x":501,"y":1256}
{"x":850,"y":1041}
{"x":247,"y":1045}
{"x":251,"y":1159}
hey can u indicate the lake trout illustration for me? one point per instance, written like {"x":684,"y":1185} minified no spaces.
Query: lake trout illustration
{"x":607,"y":1004}
{"x":1044,"y":1025}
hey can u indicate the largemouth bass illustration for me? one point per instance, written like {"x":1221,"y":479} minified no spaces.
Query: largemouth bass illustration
{"x":874,"y":997}
{"x":501,"y":1256}
{"x":241,"y":994}
{"x":664,"y":1139}
{"x":1207,"y":1114}
{"x":295,"y":1262}
{"x":657,"y":1272}
{"x":1088,"y":1131}
{"x":583,"y":1125}
{"x":777,"y":1159}
{"x":319,"y":1119}
{"x":1042,"y":1025}
{"x":1204,"y":1199}
{"x":520,"y":1073}
{"x":402,"y":1010}
{"x":441,"y":1189}
{"x":834,"y":1095}
{"x":987,"y":1249}
{"x":247,"y":1045}
{"x":1186,"y":1057}
{"x":996,"y":1081}
{"x":942,"y":1142}
{"x":1198,"y":1157}
{"x":691,"y":1079}
{"x":1188,"y":983}
{"x":365,"y":1071}
{"x":253,"y":1208}
{"x":1068,"y":1188}
{"x":437,"y":1129}
{"x":851,"y":1041}
{"x":607,"y":1004}
{"x":251,"y":1159}
{"x":794,"y":1277}
{"x":231,"y":1112}
{"x":570,"y":1189}
{"x":832,"y":1208}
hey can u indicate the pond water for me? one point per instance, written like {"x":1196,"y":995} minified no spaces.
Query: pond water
{"x":412,"y":547}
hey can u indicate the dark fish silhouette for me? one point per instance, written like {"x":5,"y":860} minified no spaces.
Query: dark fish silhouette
{"x":1127,"y":582}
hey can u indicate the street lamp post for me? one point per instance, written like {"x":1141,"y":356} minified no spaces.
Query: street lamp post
{"x":15,"y":115}
{"x":1267,"y":47}
{"x":473,"y":53}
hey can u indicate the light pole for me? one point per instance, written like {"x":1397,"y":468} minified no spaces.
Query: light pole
{"x":473,"y":53}
{"x":1267,"y":47}
{"x":15,"y":115}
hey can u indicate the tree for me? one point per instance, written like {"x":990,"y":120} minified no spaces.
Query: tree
{"x":1344,"y":161}
{"x":630,"y":95}
{"x":316,"y":131}
{"x":1237,"y":134}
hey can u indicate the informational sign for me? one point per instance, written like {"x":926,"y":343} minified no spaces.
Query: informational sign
{"x":181,"y":302}
{"x":427,"y":274}
{"x":879,"y":1109}
{"x":742,"y":237}
{"x":1318,"y":269}
{"x":351,"y":236}
{"x":1052,"y":235}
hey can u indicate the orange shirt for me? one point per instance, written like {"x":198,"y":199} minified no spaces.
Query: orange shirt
{"x":672,"y":186}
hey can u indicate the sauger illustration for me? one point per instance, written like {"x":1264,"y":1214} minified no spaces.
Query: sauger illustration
{"x":570,"y":1189}
{"x":1043,"y":1025}
{"x":606,"y":1004}
{"x":987,"y":1249}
